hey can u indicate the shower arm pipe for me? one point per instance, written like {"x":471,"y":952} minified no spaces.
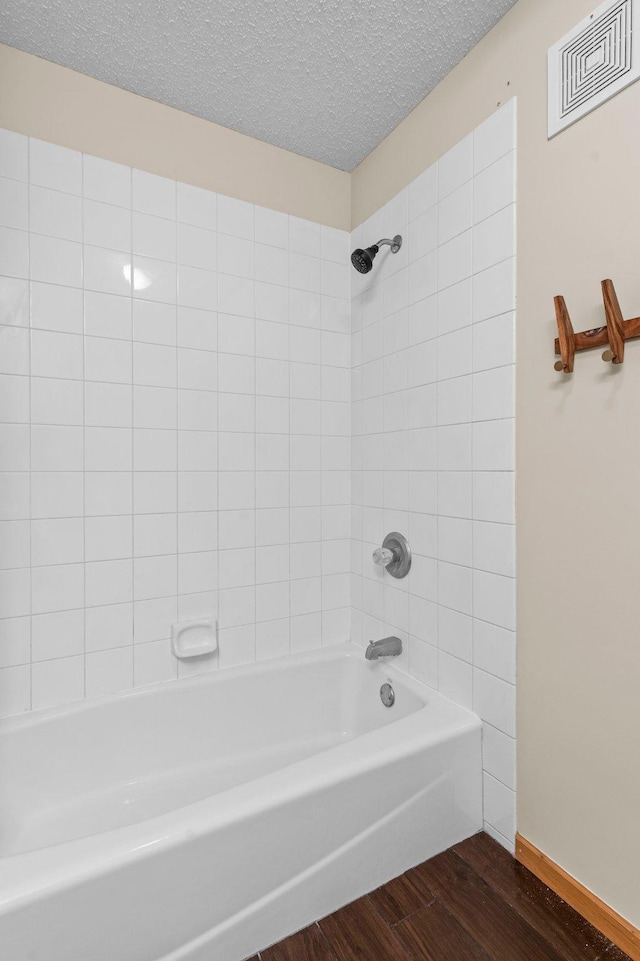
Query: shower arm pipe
{"x":395,"y":244}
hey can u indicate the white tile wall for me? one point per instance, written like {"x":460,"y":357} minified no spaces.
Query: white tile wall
{"x":433,"y":437}
{"x":174,"y":426}
{"x":178,"y":391}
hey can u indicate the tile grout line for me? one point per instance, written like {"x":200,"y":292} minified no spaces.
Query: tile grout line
{"x":177,"y":439}
{"x":219,"y":619}
{"x":84,"y":439}
{"x":289,"y":509}
{"x":473,"y":387}
{"x":133,"y":453}
{"x":30,"y":524}
{"x":255,"y":444}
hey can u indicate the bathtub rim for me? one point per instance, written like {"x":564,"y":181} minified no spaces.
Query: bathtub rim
{"x":332,"y":652}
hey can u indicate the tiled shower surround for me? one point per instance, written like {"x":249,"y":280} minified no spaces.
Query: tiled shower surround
{"x":195,"y":418}
{"x":174,"y":399}
{"x":433,"y":445}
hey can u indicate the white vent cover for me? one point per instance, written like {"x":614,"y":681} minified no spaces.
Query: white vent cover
{"x":593,"y":62}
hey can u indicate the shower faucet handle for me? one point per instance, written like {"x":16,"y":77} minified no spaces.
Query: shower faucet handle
{"x":394,"y":555}
{"x":383,"y":556}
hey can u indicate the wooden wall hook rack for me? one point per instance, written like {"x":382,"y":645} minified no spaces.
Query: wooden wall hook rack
{"x":614,"y":333}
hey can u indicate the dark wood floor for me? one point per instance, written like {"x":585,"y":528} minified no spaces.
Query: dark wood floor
{"x":472,"y":903}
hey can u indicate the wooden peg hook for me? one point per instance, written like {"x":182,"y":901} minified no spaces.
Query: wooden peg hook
{"x":615,"y":324}
{"x":566,"y":337}
{"x":615,"y":333}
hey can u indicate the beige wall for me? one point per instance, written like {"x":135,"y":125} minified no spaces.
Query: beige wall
{"x":50,"y":102}
{"x":578,"y":441}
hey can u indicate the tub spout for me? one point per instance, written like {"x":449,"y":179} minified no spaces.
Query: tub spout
{"x":387,"y":647}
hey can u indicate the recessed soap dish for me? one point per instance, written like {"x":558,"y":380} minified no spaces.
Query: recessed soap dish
{"x":194,"y":638}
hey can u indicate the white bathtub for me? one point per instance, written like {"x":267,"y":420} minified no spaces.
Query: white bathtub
{"x":209,"y":818}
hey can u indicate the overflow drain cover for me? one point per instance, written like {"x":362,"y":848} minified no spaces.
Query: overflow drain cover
{"x":387,"y":695}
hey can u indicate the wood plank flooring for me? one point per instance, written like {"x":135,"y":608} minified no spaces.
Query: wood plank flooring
{"x":471,"y":903}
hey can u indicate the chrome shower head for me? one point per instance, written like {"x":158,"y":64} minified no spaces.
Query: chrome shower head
{"x":362,"y":260}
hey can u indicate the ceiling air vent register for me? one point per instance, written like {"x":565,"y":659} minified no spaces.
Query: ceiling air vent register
{"x":593,"y":62}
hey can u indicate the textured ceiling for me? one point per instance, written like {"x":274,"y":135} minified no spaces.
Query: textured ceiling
{"x":325,"y":78}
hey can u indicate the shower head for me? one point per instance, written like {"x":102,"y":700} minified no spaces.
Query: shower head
{"x":362,"y":260}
